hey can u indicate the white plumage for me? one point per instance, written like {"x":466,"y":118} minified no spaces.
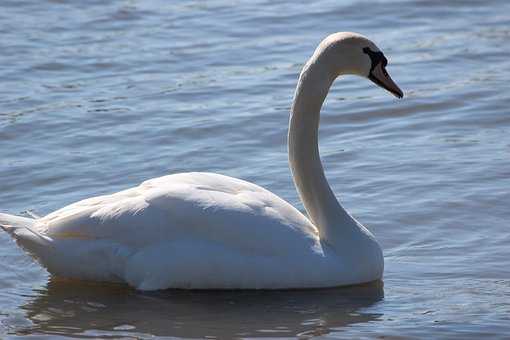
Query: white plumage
{"x":208,"y":231}
{"x":189,"y":230}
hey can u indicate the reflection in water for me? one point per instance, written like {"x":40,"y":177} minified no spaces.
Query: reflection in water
{"x":91,"y":309}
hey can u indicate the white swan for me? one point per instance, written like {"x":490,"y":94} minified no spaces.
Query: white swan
{"x":208,"y":231}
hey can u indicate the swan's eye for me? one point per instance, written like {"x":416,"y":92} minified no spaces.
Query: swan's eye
{"x":384,"y":70}
{"x":376,"y":58}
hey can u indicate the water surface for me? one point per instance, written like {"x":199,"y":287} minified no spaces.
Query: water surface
{"x":97,"y":97}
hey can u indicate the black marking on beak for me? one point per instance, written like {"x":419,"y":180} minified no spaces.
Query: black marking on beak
{"x":376,"y":58}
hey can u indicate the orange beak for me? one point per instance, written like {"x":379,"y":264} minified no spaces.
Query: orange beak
{"x":380,"y":77}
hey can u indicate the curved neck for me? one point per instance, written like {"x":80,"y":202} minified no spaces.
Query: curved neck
{"x":323,"y":209}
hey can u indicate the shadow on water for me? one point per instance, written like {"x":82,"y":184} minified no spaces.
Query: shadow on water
{"x":89,"y":309}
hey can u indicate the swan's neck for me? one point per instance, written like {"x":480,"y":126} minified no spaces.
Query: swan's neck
{"x":334,"y":223}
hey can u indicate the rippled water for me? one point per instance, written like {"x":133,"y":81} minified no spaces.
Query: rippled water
{"x":97,"y":97}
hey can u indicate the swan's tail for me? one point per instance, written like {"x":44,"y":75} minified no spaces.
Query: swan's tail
{"x":23,"y":231}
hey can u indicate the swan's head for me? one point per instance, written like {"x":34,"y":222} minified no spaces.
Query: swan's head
{"x":351,"y":53}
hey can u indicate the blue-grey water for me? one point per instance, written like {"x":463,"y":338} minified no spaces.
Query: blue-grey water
{"x":97,"y":96}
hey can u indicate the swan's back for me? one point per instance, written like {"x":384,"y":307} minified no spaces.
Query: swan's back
{"x":204,"y":206}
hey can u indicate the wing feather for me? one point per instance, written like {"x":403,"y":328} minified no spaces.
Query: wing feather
{"x":191,"y":206}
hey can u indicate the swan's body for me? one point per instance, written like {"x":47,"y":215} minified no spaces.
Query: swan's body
{"x":204,"y":230}
{"x":190,"y":230}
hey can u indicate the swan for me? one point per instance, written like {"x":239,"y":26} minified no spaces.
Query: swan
{"x":209,"y":231}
